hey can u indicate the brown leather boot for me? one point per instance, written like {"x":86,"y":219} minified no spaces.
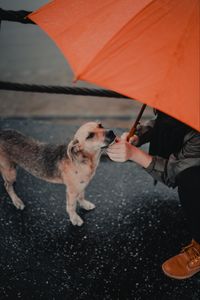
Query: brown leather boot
{"x":185,"y":264}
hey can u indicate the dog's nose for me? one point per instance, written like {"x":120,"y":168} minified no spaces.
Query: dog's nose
{"x":110,"y":135}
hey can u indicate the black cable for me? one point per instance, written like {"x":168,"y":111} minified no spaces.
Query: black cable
{"x":54,"y":89}
{"x":15,"y":16}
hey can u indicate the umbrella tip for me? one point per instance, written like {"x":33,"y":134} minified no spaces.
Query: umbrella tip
{"x":75,"y":79}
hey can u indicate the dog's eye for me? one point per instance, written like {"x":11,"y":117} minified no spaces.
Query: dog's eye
{"x":91,"y":135}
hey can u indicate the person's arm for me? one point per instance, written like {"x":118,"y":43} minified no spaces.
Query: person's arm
{"x":161,"y":169}
{"x":167,"y":170}
{"x":122,"y":151}
{"x":188,"y":156}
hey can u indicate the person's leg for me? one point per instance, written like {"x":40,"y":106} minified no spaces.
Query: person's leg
{"x":187,"y":263}
{"x":189,"y":194}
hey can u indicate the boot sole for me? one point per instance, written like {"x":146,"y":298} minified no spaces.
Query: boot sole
{"x":180,"y":277}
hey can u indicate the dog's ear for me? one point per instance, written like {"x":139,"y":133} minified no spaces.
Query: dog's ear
{"x":73,"y":149}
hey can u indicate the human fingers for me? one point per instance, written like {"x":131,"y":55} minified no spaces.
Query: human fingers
{"x":118,"y":153}
{"x":117,"y":145}
{"x":116,"y":157}
{"x":114,"y":151}
{"x":134,"y":139}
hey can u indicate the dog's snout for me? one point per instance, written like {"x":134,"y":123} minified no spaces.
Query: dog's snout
{"x":110,"y":135}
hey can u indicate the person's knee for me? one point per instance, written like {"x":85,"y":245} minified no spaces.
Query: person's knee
{"x":189,"y":178}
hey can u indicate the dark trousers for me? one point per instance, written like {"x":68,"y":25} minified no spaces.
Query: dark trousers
{"x":189,"y":193}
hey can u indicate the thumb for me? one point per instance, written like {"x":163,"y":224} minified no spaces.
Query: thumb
{"x":134,"y":140}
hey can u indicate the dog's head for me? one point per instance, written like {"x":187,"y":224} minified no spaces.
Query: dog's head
{"x":90,"y":138}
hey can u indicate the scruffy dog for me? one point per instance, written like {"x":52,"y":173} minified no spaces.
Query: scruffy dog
{"x":73,"y":165}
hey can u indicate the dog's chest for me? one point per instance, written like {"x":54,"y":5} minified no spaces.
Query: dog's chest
{"x":83,"y":173}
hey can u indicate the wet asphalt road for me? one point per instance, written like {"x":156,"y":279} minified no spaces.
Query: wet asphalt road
{"x":116,"y":254}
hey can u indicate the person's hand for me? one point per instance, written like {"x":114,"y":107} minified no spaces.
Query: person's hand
{"x":134,"y":140}
{"x":121,"y":150}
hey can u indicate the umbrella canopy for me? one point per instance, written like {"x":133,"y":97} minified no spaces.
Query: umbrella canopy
{"x":145,"y":49}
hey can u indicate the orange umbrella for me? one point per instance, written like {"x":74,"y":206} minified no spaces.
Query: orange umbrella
{"x":145,"y":49}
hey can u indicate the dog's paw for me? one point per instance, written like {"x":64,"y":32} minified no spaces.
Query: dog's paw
{"x":76,"y":220}
{"x":18,"y":203}
{"x":87,"y":205}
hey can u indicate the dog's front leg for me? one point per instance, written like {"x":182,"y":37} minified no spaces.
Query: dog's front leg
{"x":85,"y":203}
{"x":71,"y":201}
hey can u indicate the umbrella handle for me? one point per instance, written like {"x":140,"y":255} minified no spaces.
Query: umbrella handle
{"x":134,"y":127}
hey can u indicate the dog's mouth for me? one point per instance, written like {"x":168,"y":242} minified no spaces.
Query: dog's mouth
{"x":109,"y":139}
